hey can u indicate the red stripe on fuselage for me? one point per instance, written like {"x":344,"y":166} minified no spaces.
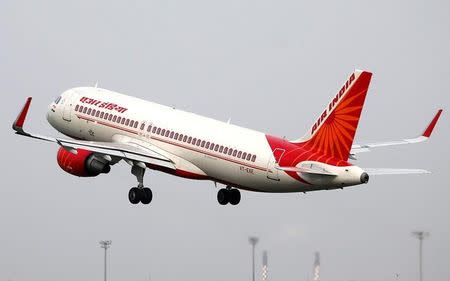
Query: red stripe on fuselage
{"x":107,"y":124}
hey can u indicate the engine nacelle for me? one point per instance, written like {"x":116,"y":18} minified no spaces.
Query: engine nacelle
{"x":82,"y":164}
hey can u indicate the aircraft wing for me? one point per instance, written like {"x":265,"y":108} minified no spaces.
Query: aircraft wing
{"x":128,"y":152}
{"x":358,"y":148}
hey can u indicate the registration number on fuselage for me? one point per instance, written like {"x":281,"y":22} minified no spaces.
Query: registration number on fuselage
{"x":246,"y":170}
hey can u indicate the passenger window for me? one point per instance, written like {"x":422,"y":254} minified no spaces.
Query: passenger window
{"x":89,"y":111}
{"x":106,"y":115}
{"x":159,"y":131}
{"x":154,"y":129}
{"x":176,"y":136}
{"x":77,"y":107}
{"x":216,"y":148}
{"x":194,"y":140}
{"x":123,"y":121}
{"x":244,"y":155}
{"x":239,"y":154}
{"x":119,"y":119}
{"x":221,"y":149}
{"x":212,"y":146}
{"x":98,"y":113}
{"x":184,"y":138}
{"x":189,"y":139}
{"x":171,"y":135}
{"x":101,"y":115}
{"x":167,"y":133}
{"x":225,"y":150}
{"x":110,"y":117}
{"x":149,"y":128}
{"x":143,"y":126}
{"x":198,"y":142}
{"x":127,"y":122}
{"x":234,"y":153}
{"x":163,"y":132}
{"x":249,"y":156}
{"x":84,"y":110}
{"x":131,"y":123}
{"x":203,"y":144}
{"x":253,"y":158}
{"x":181,"y":137}
{"x":230,"y":151}
{"x":81,"y":108}
{"x":93,"y":112}
{"x":114,"y":118}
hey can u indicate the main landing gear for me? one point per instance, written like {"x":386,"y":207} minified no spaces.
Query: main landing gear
{"x":140,"y":193}
{"x":229,"y":195}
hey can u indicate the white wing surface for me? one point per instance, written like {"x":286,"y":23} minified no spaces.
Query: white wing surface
{"x":358,"y":148}
{"x":386,"y":171}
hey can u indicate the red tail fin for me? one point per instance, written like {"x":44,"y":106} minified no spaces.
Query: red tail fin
{"x":333,"y":132}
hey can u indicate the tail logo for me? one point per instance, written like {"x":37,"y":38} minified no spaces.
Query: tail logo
{"x":333,"y":103}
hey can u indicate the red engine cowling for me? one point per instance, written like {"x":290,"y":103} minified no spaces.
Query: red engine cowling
{"x":82,"y":164}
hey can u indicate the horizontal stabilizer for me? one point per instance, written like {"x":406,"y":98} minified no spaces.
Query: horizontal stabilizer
{"x":386,"y":171}
{"x":307,"y":170}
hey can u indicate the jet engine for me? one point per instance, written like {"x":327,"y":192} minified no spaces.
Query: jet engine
{"x":83,"y":163}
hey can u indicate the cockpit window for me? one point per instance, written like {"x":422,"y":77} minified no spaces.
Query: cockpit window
{"x":57,"y":100}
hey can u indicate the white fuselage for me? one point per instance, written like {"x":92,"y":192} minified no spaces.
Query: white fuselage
{"x":193,"y":160}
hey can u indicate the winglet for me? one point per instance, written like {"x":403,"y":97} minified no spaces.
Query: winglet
{"x":429,"y":129}
{"x":20,"y":120}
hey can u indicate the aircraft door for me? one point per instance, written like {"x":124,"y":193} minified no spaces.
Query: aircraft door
{"x":272,"y":172}
{"x":67,"y":108}
{"x":145,"y":128}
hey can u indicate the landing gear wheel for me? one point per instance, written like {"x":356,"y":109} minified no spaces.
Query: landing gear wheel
{"x":147,"y":196}
{"x":222,"y":196}
{"x":234,"y":196}
{"x":135,"y":195}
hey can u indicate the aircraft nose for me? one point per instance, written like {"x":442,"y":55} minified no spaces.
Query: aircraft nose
{"x":51,"y":114}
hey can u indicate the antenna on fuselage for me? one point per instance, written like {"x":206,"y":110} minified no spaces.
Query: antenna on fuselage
{"x":229,"y":121}
{"x":96,"y":84}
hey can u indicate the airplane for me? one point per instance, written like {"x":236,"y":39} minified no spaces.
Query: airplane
{"x":106,"y":127}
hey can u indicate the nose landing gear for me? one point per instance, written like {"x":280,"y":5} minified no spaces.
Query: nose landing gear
{"x":140,"y":193}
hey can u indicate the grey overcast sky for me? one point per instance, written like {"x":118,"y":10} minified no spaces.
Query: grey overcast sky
{"x":270,"y":66}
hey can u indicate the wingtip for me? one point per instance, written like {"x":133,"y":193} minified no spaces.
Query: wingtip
{"x":430,"y":128}
{"x":357,"y":70}
{"x":20,"y":120}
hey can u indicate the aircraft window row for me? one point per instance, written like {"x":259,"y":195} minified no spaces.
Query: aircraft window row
{"x":107,"y":116}
{"x":202,"y":143}
{"x":167,"y":133}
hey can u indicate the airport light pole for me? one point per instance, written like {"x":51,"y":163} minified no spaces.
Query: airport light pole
{"x":265,"y":268}
{"x":105,"y":244}
{"x":253,"y":241}
{"x":421,"y":235}
{"x":317,"y":266}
